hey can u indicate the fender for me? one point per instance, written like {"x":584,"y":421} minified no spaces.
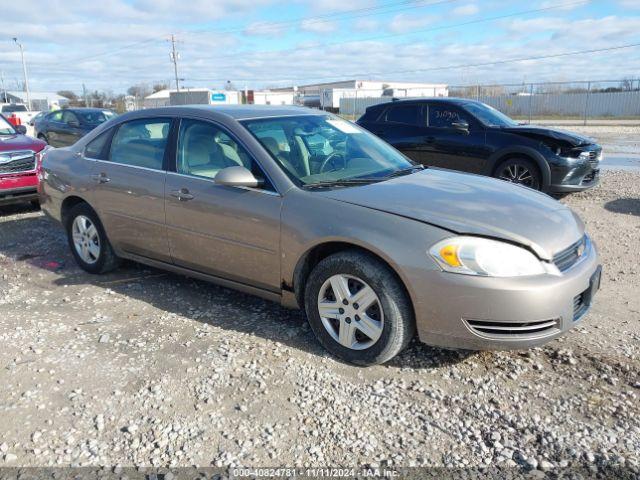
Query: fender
{"x":530,"y":153}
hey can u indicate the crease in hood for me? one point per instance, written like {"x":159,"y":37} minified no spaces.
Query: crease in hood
{"x":474,"y":205}
{"x":568,"y":138}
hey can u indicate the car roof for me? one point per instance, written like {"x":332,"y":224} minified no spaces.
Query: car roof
{"x":237,"y":112}
{"x":443,"y":100}
{"x":85,"y":109}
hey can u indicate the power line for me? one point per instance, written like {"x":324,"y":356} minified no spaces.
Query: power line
{"x":468,"y":65}
{"x":392,"y":35}
{"x":413,"y":32}
{"x":412,"y":4}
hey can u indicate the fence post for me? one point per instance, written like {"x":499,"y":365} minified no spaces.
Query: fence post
{"x":586,"y":103}
{"x":530,"y":102}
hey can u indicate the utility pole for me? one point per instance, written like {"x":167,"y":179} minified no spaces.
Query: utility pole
{"x":84,"y":94}
{"x":174,"y":59}
{"x":24,"y":71}
{"x":4,"y":90}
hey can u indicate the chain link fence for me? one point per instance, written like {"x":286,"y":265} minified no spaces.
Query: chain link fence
{"x":581,"y":101}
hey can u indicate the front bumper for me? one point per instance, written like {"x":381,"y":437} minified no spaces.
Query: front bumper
{"x":575,"y":174}
{"x":481,"y":313}
{"x":18,"y":188}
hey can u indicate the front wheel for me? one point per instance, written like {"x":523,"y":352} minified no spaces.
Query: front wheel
{"x":520,"y":171}
{"x":358,"y":309}
{"x":88,"y":241}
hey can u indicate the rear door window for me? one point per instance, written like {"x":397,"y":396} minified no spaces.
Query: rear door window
{"x":442,"y":116}
{"x":141,"y":143}
{"x":405,"y":114}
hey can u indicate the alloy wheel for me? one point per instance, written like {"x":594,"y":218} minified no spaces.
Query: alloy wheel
{"x":520,"y":174}
{"x":86,"y":239}
{"x":350,"y":311}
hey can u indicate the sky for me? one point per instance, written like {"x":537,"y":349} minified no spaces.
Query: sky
{"x":113,"y":44}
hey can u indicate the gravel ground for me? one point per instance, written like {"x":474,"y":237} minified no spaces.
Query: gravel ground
{"x":620,"y":139}
{"x":141,"y":367}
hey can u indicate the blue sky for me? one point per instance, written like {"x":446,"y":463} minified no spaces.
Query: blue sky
{"x":114,"y":44}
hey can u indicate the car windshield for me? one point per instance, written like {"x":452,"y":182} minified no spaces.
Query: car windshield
{"x":5,"y":127}
{"x":14,"y":108}
{"x":95,"y":118}
{"x":319,"y":149}
{"x":489,"y":115}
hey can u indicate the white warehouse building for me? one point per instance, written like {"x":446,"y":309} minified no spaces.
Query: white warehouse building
{"x":328,"y":95}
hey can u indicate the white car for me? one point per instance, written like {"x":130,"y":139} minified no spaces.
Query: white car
{"x":13,"y":111}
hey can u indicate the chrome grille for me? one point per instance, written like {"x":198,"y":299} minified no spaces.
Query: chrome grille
{"x":565,"y":259}
{"x":16,"y":162}
{"x":513,"y":329}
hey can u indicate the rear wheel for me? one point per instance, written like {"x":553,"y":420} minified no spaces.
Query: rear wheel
{"x":88,"y":241}
{"x":358,"y":309}
{"x":520,"y":171}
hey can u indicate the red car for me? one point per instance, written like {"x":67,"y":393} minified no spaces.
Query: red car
{"x":20,"y":160}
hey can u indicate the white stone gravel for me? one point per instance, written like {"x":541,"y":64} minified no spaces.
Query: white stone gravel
{"x":139,"y":367}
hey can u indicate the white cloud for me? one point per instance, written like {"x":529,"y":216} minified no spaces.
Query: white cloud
{"x":316,"y":26}
{"x":262,"y":29}
{"x":366,"y":24}
{"x":404,"y":22}
{"x":466,"y":10}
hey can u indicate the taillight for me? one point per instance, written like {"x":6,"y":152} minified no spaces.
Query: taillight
{"x":15,"y":119}
{"x":39,"y":157}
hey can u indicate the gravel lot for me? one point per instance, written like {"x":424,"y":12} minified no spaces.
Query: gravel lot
{"x":141,"y":367}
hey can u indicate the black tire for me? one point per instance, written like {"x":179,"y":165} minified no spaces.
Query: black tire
{"x":106,"y":259}
{"x":520,"y":171}
{"x":398,"y":327}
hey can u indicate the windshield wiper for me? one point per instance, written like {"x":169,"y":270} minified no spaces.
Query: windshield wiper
{"x":405,"y":171}
{"x":343,"y":183}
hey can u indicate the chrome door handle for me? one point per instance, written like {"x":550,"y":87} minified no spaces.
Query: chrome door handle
{"x":183,"y":194}
{"x":100,"y":178}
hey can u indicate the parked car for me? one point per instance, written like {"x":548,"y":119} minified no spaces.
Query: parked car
{"x":19,"y":164}
{"x":33,"y":120}
{"x":65,"y":127}
{"x":370,"y":244}
{"x":470,"y":136}
{"x":17,"y":113}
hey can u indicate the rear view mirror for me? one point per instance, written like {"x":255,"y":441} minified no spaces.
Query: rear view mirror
{"x":21,"y":129}
{"x":236,"y":177}
{"x":460,"y":125}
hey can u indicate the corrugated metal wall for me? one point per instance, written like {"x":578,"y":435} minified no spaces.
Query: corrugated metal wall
{"x":538,"y":105}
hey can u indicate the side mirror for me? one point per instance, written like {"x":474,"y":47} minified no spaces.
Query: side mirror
{"x":236,"y":177}
{"x":21,"y":129}
{"x":460,"y":125}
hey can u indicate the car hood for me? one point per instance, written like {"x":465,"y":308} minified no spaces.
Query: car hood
{"x":541,"y":133}
{"x":20,"y":142}
{"x":472,"y":204}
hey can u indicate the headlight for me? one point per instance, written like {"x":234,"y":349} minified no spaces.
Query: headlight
{"x":490,"y":258}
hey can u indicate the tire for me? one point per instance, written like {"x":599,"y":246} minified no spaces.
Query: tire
{"x":389,"y":317}
{"x":520,"y":171}
{"x":102,"y":258}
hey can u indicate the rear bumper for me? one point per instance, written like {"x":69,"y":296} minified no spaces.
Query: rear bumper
{"x":480,"y":313}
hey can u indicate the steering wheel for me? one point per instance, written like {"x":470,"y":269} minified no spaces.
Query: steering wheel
{"x":330,"y":159}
